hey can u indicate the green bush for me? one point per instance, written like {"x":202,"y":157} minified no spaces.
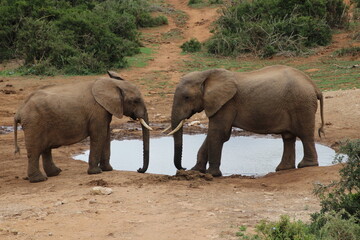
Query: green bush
{"x":72,"y":37}
{"x":276,"y":26}
{"x":339,"y":216}
{"x":285,"y":229}
{"x":344,"y":194}
{"x":193,"y":45}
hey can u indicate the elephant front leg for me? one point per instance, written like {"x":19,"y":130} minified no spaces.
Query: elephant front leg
{"x":216,"y":140}
{"x":96,"y":147}
{"x":49,"y":166}
{"x":288,"y":158}
{"x":202,"y":158}
{"x":105,"y":156}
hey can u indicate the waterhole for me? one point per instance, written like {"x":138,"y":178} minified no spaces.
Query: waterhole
{"x":250,"y":156}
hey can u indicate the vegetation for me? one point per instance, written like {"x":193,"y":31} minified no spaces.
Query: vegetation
{"x":193,"y":45}
{"x":276,"y":26}
{"x":196,"y":2}
{"x":339,"y":216}
{"x":72,"y":36}
{"x":350,"y":51}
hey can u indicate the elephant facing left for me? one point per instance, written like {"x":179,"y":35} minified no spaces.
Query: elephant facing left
{"x":54,"y":116}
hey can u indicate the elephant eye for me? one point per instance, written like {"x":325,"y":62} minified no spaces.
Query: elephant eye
{"x":186,"y":97}
{"x":136,"y":101}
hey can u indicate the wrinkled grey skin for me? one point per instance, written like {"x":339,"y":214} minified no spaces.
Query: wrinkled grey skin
{"x":276,"y":100}
{"x":62,"y":115}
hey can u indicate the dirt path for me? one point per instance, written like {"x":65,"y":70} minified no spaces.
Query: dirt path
{"x":149,"y":206}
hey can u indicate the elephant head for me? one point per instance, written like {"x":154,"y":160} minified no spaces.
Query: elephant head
{"x":120,"y":98}
{"x":197,"y":91}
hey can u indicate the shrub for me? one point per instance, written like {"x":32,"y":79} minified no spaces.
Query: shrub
{"x":339,"y":216}
{"x":268,"y":27}
{"x":72,"y":37}
{"x":344,"y":194}
{"x":193,"y":45}
{"x":285,"y":229}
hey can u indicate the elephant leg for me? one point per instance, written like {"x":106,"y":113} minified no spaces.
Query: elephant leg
{"x":34,"y":173}
{"x":202,"y":158}
{"x":215,"y":140}
{"x":98,"y":141}
{"x":219,"y":132}
{"x":105,"y":156}
{"x":288,"y":158}
{"x":96,"y":147}
{"x":49,"y":166}
{"x":310,"y":156}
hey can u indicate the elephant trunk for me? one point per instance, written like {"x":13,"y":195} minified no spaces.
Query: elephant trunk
{"x":146,"y":140}
{"x":178,"y":145}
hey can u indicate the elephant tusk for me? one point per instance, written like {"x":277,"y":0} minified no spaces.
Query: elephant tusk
{"x":166,"y":129}
{"x":145,"y":124}
{"x":177,"y":128}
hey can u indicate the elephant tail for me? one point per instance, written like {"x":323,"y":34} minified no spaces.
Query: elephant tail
{"x":321,"y":99}
{"x":16,"y":121}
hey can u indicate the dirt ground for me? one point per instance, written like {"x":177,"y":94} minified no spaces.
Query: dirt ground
{"x":149,"y":206}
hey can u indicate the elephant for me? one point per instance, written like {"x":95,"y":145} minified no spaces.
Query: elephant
{"x":272,"y":100}
{"x":54,"y":116}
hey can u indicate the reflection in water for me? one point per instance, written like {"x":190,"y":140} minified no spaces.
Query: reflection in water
{"x":240,"y":155}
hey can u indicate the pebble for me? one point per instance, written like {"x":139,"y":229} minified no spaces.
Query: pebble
{"x":101,"y":191}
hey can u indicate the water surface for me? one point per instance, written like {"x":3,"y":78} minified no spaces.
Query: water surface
{"x":240,"y":155}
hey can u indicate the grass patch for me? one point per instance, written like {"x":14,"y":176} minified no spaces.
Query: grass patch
{"x":142,"y":59}
{"x":350,"y":51}
{"x":157,"y":82}
{"x":329,"y":74}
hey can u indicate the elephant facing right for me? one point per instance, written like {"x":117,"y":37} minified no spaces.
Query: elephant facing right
{"x":272,"y":100}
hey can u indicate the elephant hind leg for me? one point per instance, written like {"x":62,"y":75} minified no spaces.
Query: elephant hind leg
{"x":288,"y":158}
{"x":33,"y":172}
{"x":310,"y":156}
{"x":49,"y":166}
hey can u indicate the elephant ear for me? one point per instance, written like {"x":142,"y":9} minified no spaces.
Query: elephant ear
{"x":218,"y":88}
{"x":114,"y":75}
{"x":109,"y":96}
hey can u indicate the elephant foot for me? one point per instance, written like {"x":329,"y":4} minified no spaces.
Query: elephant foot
{"x":195,"y":168}
{"x":308,"y":163}
{"x":54,"y":171}
{"x":94,"y":170}
{"x":214,"y":172}
{"x":106,"y":167}
{"x":36,"y":177}
{"x":281,"y":167}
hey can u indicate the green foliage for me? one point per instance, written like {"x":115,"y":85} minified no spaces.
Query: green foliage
{"x":193,"y":45}
{"x":285,"y":229}
{"x":333,"y":226}
{"x":276,"y":26}
{"x":344,"y":194}
{"x":194,"y":2}
{"x":72,"y":36}
{"x":350,"y":51}
{"x":339,"y":217}
{"x":216,"y":1}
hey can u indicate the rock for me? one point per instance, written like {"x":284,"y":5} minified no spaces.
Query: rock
{"x":194,"y":123}
{"x":101,"y":191}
